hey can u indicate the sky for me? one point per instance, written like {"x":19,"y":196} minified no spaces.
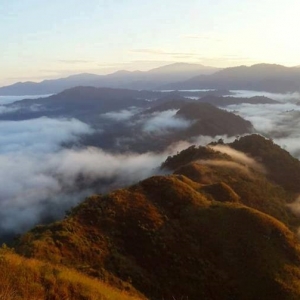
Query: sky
{"x":42,"y":39}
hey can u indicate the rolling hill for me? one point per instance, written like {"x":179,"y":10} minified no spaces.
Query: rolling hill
{"x":153,"y":122}
{"x":31,"y":279}
{"x":217,"y":228}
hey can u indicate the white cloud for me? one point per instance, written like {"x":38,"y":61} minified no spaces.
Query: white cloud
{"x":240,"y":157}
{"x":8,"y":109}
{"x":121,"y":115}
{"x":42,"y":135}
{"x":28,"y":187}
{"x":295,"y":208}
{"x":164,"y":121}
{"x":33,"y":181}
{"x":275,"y":96}
{"x":276,"y":121}
{"x":40,"y":179}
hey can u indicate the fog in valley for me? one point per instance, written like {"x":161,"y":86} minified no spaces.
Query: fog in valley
{"x":42,"y":176}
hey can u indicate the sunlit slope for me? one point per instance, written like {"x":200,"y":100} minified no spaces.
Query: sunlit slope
{"x":282,"y":167}
{"x":172,"y":237}
{"x":30,"y":279}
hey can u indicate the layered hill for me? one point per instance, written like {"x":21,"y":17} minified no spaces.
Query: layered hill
{"x":160,"y":126}
{"x":218,"y":228}
{"x":79,"y":102}
{"x":131,"y":120}
{"x":84,"y":101}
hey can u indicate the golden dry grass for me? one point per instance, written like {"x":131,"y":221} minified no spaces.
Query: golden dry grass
{"x":30,"y":279}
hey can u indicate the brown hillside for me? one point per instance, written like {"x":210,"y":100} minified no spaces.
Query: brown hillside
{"x":241,"y":185}
{"x":210,"y":120}
{"x":30,"y":279}
{"x":205,"y":165}
{"x":282,"y":167}
{"x":168,"y":238}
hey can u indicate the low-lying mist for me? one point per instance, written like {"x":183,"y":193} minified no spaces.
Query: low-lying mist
{"x":240,"y":157}
{"x":291,"y":97}
{"x":10,"y":99}
{"x":42,"y":176}
{"x":160,"y":122}
{"x":41,"y":179}
{"x":279,"y":122}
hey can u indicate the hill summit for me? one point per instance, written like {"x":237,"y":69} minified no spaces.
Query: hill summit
{"x":218,"y":228}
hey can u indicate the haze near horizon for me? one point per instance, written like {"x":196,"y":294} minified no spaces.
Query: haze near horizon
{"x":44,"y":40}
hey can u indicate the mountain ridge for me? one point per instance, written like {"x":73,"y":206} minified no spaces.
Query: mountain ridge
{"x":260,"y":77}
{"x":95,"y":106}
{"x":120,"y":79}
{"x":237,"y":244}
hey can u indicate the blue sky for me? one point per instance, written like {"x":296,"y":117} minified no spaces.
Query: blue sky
{"x":49,"y":39}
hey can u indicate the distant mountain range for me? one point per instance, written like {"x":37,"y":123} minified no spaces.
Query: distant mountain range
{"x":260,"y":77}
{"x":178,"y":76}
{"x":121,"y":79}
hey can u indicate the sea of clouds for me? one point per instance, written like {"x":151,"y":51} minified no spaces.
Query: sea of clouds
{"x":41,"y":177}
{"x":277,"y":121}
